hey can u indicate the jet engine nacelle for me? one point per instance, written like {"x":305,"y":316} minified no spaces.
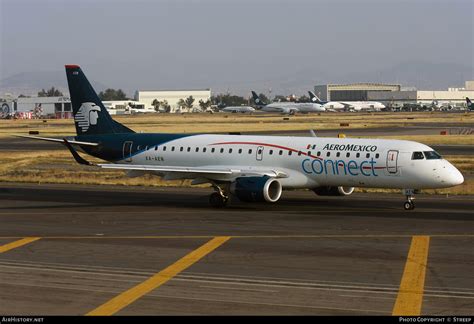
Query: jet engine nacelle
{"x":334,"y":191}
{"x":257,"y":189}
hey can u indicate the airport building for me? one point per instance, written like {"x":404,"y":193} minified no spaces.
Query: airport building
{"x":172,"y":96}
{"x":54,"y":107}
{"x":453,"y":97}
{"x":353,"y":91}
{"x":441,"y":98}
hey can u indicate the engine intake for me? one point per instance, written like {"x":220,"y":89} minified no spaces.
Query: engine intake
{"x":334,"y":191}
{"x":257,"y":189}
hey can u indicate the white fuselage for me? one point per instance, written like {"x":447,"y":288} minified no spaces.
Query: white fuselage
{"x":236,"y":109}
{"x":293,"y":107}
{"x":333,"y":106}
{"x":364,"y":105}
{"x":308,"y":162}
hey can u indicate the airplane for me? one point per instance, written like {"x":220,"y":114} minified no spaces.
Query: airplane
{"x":289,"y":108}
{"x":350,"y":105}
{"x":238,"y":109}
{"x":250,"y":167}
{"x":328,"y":105}
{"x":470,"y":105}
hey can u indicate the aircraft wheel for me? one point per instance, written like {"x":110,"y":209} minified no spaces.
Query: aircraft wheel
{"x":409,"y":205}
{"x":217,"y":201}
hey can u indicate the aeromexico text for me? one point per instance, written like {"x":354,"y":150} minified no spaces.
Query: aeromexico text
{"x":350,"y":147}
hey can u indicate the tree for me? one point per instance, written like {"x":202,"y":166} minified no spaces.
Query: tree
{"x":166,"y":106}
{"x":23,"y":96}
{"x":50,"y":93}
{"x":156,"y":104}
{"x":204,"y":104}
{"x":181,"y":103}
{"x":112,"y":94}
{"x":280,"y":98}
{"x":223,"y":100}
{"x":188,"y":103}
{"x":304,"y":98}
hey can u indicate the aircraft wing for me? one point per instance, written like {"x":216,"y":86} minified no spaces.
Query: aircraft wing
{"x":201,"y":171}
{"x":57,"y":140}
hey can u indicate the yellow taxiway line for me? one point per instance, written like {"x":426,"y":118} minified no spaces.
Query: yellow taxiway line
{"x":15,"y":244}
{"x":126,"y":298}
{"x":410,"y":293}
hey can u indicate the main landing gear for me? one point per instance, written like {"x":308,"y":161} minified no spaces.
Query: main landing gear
{"x":410,"y":194}
{"x":219,"y":198}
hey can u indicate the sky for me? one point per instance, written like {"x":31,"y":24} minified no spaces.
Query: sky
{"x":229,"y":44}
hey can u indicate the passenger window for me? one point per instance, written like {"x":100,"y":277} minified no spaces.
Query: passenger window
{"x":189,"y":149}
{"x":204,"y":150}
{"x":181,"y":149}
{"x":222,"y":150}
{"x":240,"y":151}
{"x":299,"y":153}
{"x":367,"y":155}
{"x":357,"y":155}
{"x":338,"y":154}
{"x":164,"y":148}
{"x":250,"y":151}
{"x":314,"y":146}
{"x":417,"y":156}
{"x":319,"y":153}
{"x":172,"y":148}
{"x":156,"y":148}
{"x":309,"y":153}
{"x":432,"y":155}
{"x":328,"y":154}
{"x":281,"y":152}
{"x":348,"y":154}
{"x":271,"y":152}
{"x":197,"y":149}
{"x":230,"y":150}
{"x":290,"y":152}
{"x":377,"y":156}
{"x":213,"y":150}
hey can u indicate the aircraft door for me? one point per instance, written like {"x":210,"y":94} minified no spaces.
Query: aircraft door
{"x":127,"y":151}
{"x":260,"y":153}
{"x":392,"y":162}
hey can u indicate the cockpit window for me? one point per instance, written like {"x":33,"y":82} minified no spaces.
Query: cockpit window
{"x":417,"y":156}
{"x":432,"y":155}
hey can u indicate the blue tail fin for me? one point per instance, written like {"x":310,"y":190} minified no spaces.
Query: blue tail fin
{"x":470,"y":106}
{"x":90,"y":115}
{"x":257,"y":100}
{"x":314,"y":98}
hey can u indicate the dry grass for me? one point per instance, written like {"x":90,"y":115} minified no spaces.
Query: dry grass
{"x":59,"y":167}
{"x":211,"y":123}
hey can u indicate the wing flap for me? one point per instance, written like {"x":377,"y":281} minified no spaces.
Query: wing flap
{"x":196,"y":170}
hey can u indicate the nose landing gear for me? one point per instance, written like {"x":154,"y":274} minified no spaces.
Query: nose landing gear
{"x":410,"y":195}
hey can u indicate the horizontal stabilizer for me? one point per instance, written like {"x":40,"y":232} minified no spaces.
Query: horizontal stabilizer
{"x":57,"y":140}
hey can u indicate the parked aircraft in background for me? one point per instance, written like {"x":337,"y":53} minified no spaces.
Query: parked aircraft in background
{"x":238,"y":109}
{"x":287,"y":107}
{"x":350,"y":105}
{"x":252,"y":168}
{"x":328,"y":105}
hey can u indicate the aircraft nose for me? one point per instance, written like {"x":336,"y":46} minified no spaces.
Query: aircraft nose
{"x":453,"y":176}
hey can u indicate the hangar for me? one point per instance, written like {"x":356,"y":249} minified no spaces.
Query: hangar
{"x":352,"y":91}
